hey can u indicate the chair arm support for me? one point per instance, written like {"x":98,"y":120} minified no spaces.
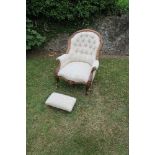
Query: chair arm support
{"x":94,"y":68}
{"x":95,"y":65}
{"x":63,"y":59}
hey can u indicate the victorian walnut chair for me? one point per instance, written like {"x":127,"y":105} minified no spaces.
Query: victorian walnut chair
{"x":80,"y":63}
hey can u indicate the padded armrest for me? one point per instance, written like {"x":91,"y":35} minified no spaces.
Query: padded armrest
{"x":95,"y":64}
{"x":64,"y":59}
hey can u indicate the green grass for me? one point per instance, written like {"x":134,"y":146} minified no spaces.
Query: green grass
{"x":98,"y":125}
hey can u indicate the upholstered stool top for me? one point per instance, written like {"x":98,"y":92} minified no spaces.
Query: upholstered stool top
{"x":61,"y":101}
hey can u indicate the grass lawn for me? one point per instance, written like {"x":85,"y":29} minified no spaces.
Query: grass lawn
{"x":98,"y":124}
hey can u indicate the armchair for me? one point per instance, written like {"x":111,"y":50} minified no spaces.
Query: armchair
{"x":80,"y":63}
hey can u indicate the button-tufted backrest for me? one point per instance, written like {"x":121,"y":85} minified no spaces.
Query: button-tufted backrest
{"x":84,"y":46}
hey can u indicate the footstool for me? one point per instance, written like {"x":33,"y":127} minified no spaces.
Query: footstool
{"x":61,"y":101}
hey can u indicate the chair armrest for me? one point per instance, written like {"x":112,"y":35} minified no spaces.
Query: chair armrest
{"x":95,"y":65}
{"x":93,"y":71}
{"x":64,"y":59}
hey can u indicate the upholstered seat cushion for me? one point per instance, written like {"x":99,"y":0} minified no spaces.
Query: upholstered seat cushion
{"x":76,"y":71}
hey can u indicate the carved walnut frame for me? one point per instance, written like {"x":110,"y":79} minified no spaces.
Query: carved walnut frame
{"x":90,"y":80}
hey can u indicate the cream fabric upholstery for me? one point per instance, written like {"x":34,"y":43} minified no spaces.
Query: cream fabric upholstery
{"x":81,"y":58}
{"x":84,"y":46}
{"x":64,"y":59}
{"x":76,"y":71}
{"x":95,"y":64}
{"x":61,"y":101}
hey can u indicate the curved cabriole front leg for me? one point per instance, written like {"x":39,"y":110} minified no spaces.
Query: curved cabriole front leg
{"x":57,"y":70}
{"x":89,"y":83}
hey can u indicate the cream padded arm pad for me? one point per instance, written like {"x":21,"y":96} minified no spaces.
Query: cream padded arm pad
{"x":64,"y":59}
{"x":95,"y":64}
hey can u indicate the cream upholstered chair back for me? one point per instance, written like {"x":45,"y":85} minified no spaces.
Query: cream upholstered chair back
{"x":84,"y":46}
